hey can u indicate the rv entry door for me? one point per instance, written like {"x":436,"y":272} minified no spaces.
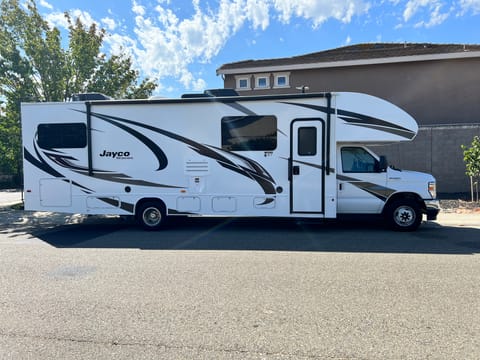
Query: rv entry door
{"x":306,"y":166}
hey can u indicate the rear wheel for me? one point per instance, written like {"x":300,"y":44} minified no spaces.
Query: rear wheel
{"x":151,"y":215}
{"x":404,"y":215}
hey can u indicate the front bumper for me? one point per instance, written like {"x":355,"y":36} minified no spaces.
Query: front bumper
{"x":432,"y":209}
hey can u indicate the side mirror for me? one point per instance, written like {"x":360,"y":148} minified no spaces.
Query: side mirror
{"x":382,"y":164}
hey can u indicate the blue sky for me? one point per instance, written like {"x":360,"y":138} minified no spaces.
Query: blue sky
{"x":181,"y":43}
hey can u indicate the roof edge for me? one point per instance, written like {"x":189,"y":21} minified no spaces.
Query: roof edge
{"x":346,"y":63}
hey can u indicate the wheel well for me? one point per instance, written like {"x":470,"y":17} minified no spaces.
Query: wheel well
{"x":142,"y":201}
{"x":405,"y":196}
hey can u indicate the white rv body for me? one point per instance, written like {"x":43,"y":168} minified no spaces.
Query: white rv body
{"x":273,"y":156}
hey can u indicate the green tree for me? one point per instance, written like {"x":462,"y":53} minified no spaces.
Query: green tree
{"x":35,"y":67}
{"x":471,"y":157}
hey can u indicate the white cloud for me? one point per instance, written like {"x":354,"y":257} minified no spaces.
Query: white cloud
{"x":469,"y":5}
{"x":165,"y":45}
{"x":109,"y":23}
{"x":58,"y":18}
{"x":319,"y":11}
{"x":432,"y":8}
{"x":45,"y":4}
{"x":138,"y":9}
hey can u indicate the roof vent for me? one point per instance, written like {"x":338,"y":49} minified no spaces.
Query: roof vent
{"x":90,"y":96}
{"x":221,"y":92}
{"x":212,"y":93}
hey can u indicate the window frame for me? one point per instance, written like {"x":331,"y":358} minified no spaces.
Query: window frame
{"x":246,"y":78}
{"x":279,"y":75}
{"x":259,"y":77}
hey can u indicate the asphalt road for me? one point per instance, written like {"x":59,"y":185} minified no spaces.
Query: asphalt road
{"x":246,"y":289}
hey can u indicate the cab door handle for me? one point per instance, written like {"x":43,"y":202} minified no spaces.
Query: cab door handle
{"x":296,"y":170}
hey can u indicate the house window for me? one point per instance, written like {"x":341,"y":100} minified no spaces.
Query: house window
{"x":243,"y":82}
{"x":262,"y":81}
{"x":282,"y":80}
{"x":247,"y":133}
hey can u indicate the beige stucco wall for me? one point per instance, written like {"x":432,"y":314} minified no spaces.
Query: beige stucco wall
{"x":435,"y":150}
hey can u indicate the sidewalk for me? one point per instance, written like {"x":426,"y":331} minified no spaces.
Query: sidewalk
{"x":9,"y":198}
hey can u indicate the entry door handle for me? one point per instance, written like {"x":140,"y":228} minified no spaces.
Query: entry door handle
{"x":296,"y":170}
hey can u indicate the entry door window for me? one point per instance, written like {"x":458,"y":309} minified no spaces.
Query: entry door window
{"x":307,"y":141}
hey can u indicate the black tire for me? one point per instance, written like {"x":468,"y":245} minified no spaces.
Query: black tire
{"x":152,"y":215}
{"x":404,"y":215}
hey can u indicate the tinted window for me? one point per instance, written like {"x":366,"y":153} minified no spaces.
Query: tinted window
{"x":73,"y":135}
{"x":251,"y":132}
{"x":307,"y":141}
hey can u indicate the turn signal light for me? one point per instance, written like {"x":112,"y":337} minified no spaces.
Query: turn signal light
{"x":432,"y":189}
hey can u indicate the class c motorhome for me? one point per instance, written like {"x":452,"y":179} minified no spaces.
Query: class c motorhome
{"x":220,"y":154}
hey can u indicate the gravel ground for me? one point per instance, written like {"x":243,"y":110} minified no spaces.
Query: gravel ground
{"x":458,"y":205}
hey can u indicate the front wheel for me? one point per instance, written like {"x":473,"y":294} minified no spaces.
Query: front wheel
{"x":404,"y":215}
{"x":151,"y":215}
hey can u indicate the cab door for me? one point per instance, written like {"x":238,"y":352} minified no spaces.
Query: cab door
{"x":361,"y":184}
{"x":307,"y":166}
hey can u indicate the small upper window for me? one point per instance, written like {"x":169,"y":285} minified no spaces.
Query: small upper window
{"x":282,"y":80}
{"x":62,"y":136}
{"x":262,"y":81}
{"x":243,"y":83}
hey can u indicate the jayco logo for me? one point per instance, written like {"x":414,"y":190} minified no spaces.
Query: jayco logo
{"x":116,"y":154}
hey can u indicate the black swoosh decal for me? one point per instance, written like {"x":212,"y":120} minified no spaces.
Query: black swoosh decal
{"x":362,"y":120}
{"x":379,"y":191}
{"x":254,"y":170}
{"x":161,"y":157}
{"x":42,"y":165}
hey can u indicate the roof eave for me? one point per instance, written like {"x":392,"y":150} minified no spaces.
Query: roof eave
{"x":346,"y":63}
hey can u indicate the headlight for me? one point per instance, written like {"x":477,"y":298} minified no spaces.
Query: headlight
{"x":432,"y":189}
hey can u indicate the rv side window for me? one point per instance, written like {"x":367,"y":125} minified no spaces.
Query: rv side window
{"x":246,"y":133}
{"x":357,"y":160}
{"x":62,"y":136}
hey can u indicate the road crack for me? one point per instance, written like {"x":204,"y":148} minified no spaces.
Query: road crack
{"x":167,"y":347}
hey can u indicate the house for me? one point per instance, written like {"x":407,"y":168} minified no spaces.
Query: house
{"x":438,"y":84}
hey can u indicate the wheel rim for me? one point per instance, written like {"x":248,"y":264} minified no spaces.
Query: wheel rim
{"x":151,"y":216}
{"x":404,"y":216}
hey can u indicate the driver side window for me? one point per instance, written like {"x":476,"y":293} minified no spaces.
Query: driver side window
{"x":357,"y":160}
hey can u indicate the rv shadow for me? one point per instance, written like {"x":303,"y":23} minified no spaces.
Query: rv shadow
{"x":267,"y":235}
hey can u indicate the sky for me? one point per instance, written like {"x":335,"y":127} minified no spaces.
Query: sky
{"x":181,"y":43}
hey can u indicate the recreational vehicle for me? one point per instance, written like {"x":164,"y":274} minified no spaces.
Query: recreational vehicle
{"x":220,"y":154}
